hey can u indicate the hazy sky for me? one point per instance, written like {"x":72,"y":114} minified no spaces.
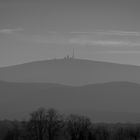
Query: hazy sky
{"x":107,"y":30}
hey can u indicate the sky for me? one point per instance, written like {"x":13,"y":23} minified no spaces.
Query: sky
{"x":101,"y":30}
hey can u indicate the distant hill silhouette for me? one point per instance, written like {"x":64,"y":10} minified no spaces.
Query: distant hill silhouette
{"x":70,"y":72}
{"x":100,"y":101}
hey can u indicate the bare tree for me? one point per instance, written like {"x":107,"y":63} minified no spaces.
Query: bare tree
{"x":37,"y":124}
{"x":133,"y":132}
{"x":101,"y":133}
{"x":120,"y":133}
{"x":54,"y":124}
{"x":78,"y":127}
{"x":14,"y":133}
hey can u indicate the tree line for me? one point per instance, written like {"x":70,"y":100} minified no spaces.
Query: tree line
{"x":49,"y":124}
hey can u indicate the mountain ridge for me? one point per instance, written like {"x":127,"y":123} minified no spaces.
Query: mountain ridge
{"x":72,"y":72}
{"x":112,"y":97}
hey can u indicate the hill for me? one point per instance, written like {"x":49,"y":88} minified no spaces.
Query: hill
{"x":73,"y":72}
{"x":102,"y":102}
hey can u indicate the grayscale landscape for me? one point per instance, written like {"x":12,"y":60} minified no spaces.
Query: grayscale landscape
{"x":69,"y":70}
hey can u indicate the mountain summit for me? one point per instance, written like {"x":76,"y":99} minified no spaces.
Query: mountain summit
{"x":68,"y":71}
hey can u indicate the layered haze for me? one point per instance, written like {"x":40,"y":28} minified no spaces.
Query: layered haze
{"x":81,"y":56}
{"x":70,"y":85}
{"x":110,"y":102}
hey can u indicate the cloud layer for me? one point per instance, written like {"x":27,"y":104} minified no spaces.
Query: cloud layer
{"x":98,"y":38}
{"x":112,"y":32}
{"x":10,"y":31}
{"x":85,"y":42}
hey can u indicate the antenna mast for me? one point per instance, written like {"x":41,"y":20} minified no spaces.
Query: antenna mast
{"x":73,"y":55}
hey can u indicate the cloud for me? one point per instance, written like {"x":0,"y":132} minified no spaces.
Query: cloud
{"x":111,"y":32}
{"x":10,"y":31}
{"x":123,"y":33}
{"x":118,"y":52}
{"x":84,"y":39}
{"x":91,"y":42}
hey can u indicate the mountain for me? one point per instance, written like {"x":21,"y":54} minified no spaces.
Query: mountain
{"x":70,"y":72}
{"x":102,"y":102}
